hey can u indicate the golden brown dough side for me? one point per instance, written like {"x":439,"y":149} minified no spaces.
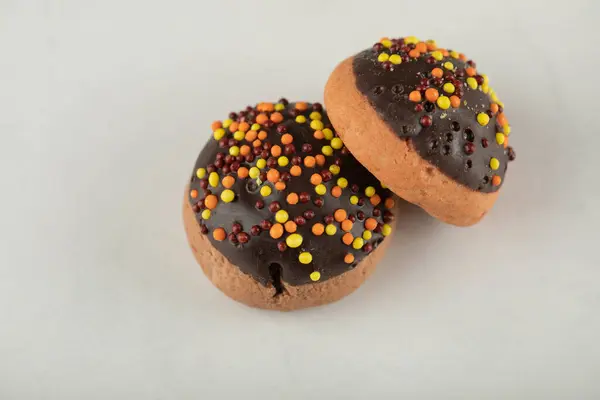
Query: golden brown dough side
{"x":230,"y":280}
{"x":392,"y":159}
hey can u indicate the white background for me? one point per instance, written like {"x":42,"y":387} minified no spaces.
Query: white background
{"x":104,"y":107}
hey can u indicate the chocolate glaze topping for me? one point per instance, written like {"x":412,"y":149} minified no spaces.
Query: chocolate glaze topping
{"x":435,"y":99}
{"x":280,"y":197}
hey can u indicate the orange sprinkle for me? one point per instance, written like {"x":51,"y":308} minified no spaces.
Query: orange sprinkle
{"x":262,"y":135}
{"x":211,"y":201}
{"x":437,"y":72}
{"x":319,"y":135}
{"x":242,"y":172}
{"x":462,"y":57}
{"x":280,"y":186}
{"x":336,"y":191}
{"x":414,"y":53}
{"x":371,"y":223}
{"x":347,"y":225}
{"x":219,"y":234}
{"x":505,"y":141}
{"x":233,"y":127}
{"x":296,"y":170}
{"x":273,"y":175}
{"x":501,"y":118}
{"x":431,"y":46}
{"x":455,"y":101}
{"x":257,"y":143}
{"x":276,"y":231}
{"x":415,"y":96}
{"x":276,"y":151}
{"x":265,"y":106}
{"x":375,"y":200}
{"x":245,"y":150}
{"x":494,"y":108}
{"x":228,"y":181}
{"x":194,"y":193}
{"x":389,"y":203}
{"x":302,"y":106}
{"x":320,"y":158}
{"x":276,"y":117}
{"x":432,"y":94}
{"x":216,"y":125}
{"x":244,"y":126}
{"x":287,"y":138}
{"x":261,"y":118}
{"x":318,"y":229}
{"x":349,"y":258}
{"x":309,"y":161}
{"x":316,"y":179}
{"x":422,"y":47}
{"x":290,"y":226}
{"x":347,"y":238}
{"x":292,"y":198}
{"x":445,"y":52}
{"x":250,"y":136}
{"x":470,"y":71}
{"x":496,"y":180}
{"x":340,"y":214}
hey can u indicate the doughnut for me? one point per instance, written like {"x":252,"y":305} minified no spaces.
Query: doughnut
{"x":279,"y":214}
{"x":426,"y":122}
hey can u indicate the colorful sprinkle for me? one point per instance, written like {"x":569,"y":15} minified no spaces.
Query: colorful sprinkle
{"x":227,"y":196}
{"x":494,"y":163}
{"x":265,"y":191}
{"x":330,"y":229}
{"x":358,"y":243}
{"x":219,"y":234}
{"x":483,"y":119}
{"x":294,"y":240}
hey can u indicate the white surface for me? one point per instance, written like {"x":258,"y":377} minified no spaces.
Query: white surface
{"x":104,"y":107}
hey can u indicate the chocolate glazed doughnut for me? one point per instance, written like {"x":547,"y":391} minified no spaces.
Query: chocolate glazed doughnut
{"x":278,"y":212}
{"x":443,"y":130}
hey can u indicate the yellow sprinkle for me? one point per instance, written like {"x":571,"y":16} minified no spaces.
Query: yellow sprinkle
{"x":328,"y":133}
{"x":411,"y":40}
{"x":255,"y":127}
{"x":386,"y":229}
{"x":281,"y":216}
{"x":330,"y":229}
{"x":261,"y":163}
{"x":227,"y":123}
{"x":443,"y":102}
{"x":342,"y":182}
{"x":358,"y":243}
{"x":395,"y":59}
{"x":437,"y":55}
{"x":219,"y":133}
{"x":334,"y":169}
{"x":265,"y":191}
{"x":454,"y":54}
{"x":500,"y":138}
{"x":315,"y":115}
{"x":353,"y":199}
{"x":213,"y":179}
{"x":320,"y":189}
{"x":448,"y":65}
{"x":316,"y":124}
{"x":367,"y":235}
{"x":227,"y":196}
{"x":314,"y":276}
{"x":486,"y":79}
{"x":386,"y":42}
{"x":506,"y":129}
{"x":448,"y":87}
{"x":294,"y":240}
{"x":485,"y":88}
{"x":494,"y":97}
{"x":337,"y":143}
{"x":327,"y":150}
{"x":279,"y":107}
{"x":239,"y":135}
{"x":206,"y":214}
{"x":283,"y":161}
{"x":472,"y":82}
{"x":431,"y":42}
{"x":494,"y":163}
{"x":234,"y":151}
{"x":383,"y":57}
{"x":370,"y":191}
{"x":500,"y":103}
{"x":483,"y":119}
{"x":201,"y":173}
{"x":383,"y":185}
{"x":300,"y":119}
{"x":254,"y":172}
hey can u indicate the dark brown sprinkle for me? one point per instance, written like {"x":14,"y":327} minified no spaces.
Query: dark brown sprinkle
{"x":271,"y":162}
{"x":469,"y":135}
{"x":249,"y":108}
{"x":354,"y":188}
{"x":317,"y":107}
{"x":405,"y":58}
{"x":449,"y":137}
{"x":448,"y":75}
{"x":269,"y":124}
{"x":296,"y":160}
{"x":344,"y":151}
{"x":222,"y":143}
{"x":376,"y":212}
{"x":283,"y":101}
{"x":281,"y":129}
{"x":361,"y":202}
{"x":294,"y":112}
{"x":285,"y":176}
{"x":228,"y":159}
{"x":469,"y":164}
{"x":309,"y":214}
{"x":486,"y":179}
{"x":438,"y":81}
{"x":219,"y":163}
{"x":500,"y":109}
{"x":328,"y":219}
{"x":388,"y":66}
{"x":203,"y":183}
{"x":243,"y":237}
{"x":460,"y":73}
{"x":289,"y":149}
{"x":267,"y":145}
{"x":264,"y":154}
{"x":469,"y":148}
{"x":235,"y":166}
{"x":274,"y":206}
{"x":471,"y":63}
{"x":306,"y":148}
{"x":367,"y":248}
{"x":220,"y":156}
{"x":233,"y":115}
{"x":424,"y":81}
{"x":510,"y":152}
{"x":249,"y":158}
{"x":327,"y":175}
{"x":304,"y":197}
{"x":200,"y":204}
{"x":459,"y":91}
{"x":211,"y":168}
{"x":236,"y":228}
{"x":232,"y":142}
{"x":203,"y":229}
{"x":388,"y":216}
{"x":262,"y":176}
{"x":430,"y":60}
{"x":318,"y":202}
{"x":239,"y":158}
{"x":257,"y":151}
{"x":233,"y":238}
{"x":479,"y":79}
{"x":265,"y":225}
{"x":299,"y":220}
{"x":255,"y":230}
{"x":484,"y":142}
{"x":360,"y":215}
{"x":352,"y":218}
{"x":489,"y":113}
{"x":377,"y":47}
{"x":259,"y":204}
{"x":429,"y":106}
{"x":251,"y":186}
{"x":455,"y":126}
{"x":281,"y":246}
{"x":196,"y":208}
{"x":446,"y":150}
{"x":419,"y":107}
{"x":377,"y":90}
{"x":377,"y":229}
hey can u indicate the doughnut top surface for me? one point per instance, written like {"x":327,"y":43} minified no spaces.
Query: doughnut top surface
{"x":436,"y":99}
{"x":280,"y":196}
